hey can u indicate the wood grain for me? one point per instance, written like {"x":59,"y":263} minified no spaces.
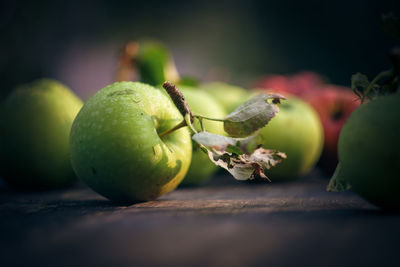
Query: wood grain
{"x":223,"y":223}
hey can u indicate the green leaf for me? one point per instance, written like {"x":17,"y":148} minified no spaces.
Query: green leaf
{"x":338,"y":181}
{"x":247,"y":167}
{"x":359,"y":82}
{"x":252,"y":115}
{"x":155,"y":63}
{"x":384,"y":82}
{"x":152,"y":60}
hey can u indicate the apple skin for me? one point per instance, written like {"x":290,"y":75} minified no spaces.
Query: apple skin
{"x":297,"y":131}
{"x":35,"y":125}
{"x":369,"y":151}
{"x":298,"y":84}
{"x":201,"y":168}
{"x":229,"y":96}
{"x":116,"y":149}
{"x":334,"y":104}
{"x":276,"y":83}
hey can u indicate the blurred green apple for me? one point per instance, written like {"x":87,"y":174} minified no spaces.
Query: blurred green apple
{"x":36,"y":121}
{"x":297,"y":131}
{"x":116,"y":148}
{"x":201,"y":168}
{"x":369,"y":151}
{"x":229,"y":96}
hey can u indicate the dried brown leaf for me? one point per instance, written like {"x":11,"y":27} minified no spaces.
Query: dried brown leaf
{"x":244,"y":166}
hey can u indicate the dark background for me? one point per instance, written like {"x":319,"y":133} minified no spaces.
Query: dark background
{"x":236,"y":41}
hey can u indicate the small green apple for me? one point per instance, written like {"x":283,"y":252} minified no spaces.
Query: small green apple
{"x":297,"y":131}
{"x":229,"y":96}
{"x":35,"y":125}
{"x":369,"y":151}
{"x":201,"y":168}
{"x":116,"y":148}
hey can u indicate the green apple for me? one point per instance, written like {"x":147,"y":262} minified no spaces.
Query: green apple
{"x":297,"y":131}
{"x":35,"y":125}
{"x":201,"y":168}
{"x":229,"y":96}
{"x":369,"y":151}
{"x":116,"y":148}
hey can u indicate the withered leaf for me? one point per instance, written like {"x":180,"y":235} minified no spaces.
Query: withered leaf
{"x":247,"y":167}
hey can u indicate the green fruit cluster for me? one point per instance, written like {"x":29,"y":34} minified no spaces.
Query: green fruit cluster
{"x":116,"y":143}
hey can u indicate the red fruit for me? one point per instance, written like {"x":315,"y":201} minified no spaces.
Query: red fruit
{"x":298,"y":84}
{"x":304,"y":82}
{"x":334,"y":104}
{"x":277,"y":83}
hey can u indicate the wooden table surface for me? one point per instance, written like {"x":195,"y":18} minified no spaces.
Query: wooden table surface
{"x":223,"y":223}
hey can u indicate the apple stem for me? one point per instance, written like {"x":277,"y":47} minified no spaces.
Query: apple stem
{"x":207,"y":118}
{"x":176,"y":127}
{"x":203,"y":129}
{"x":188,"y":120}
{"x":183,"y":123}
